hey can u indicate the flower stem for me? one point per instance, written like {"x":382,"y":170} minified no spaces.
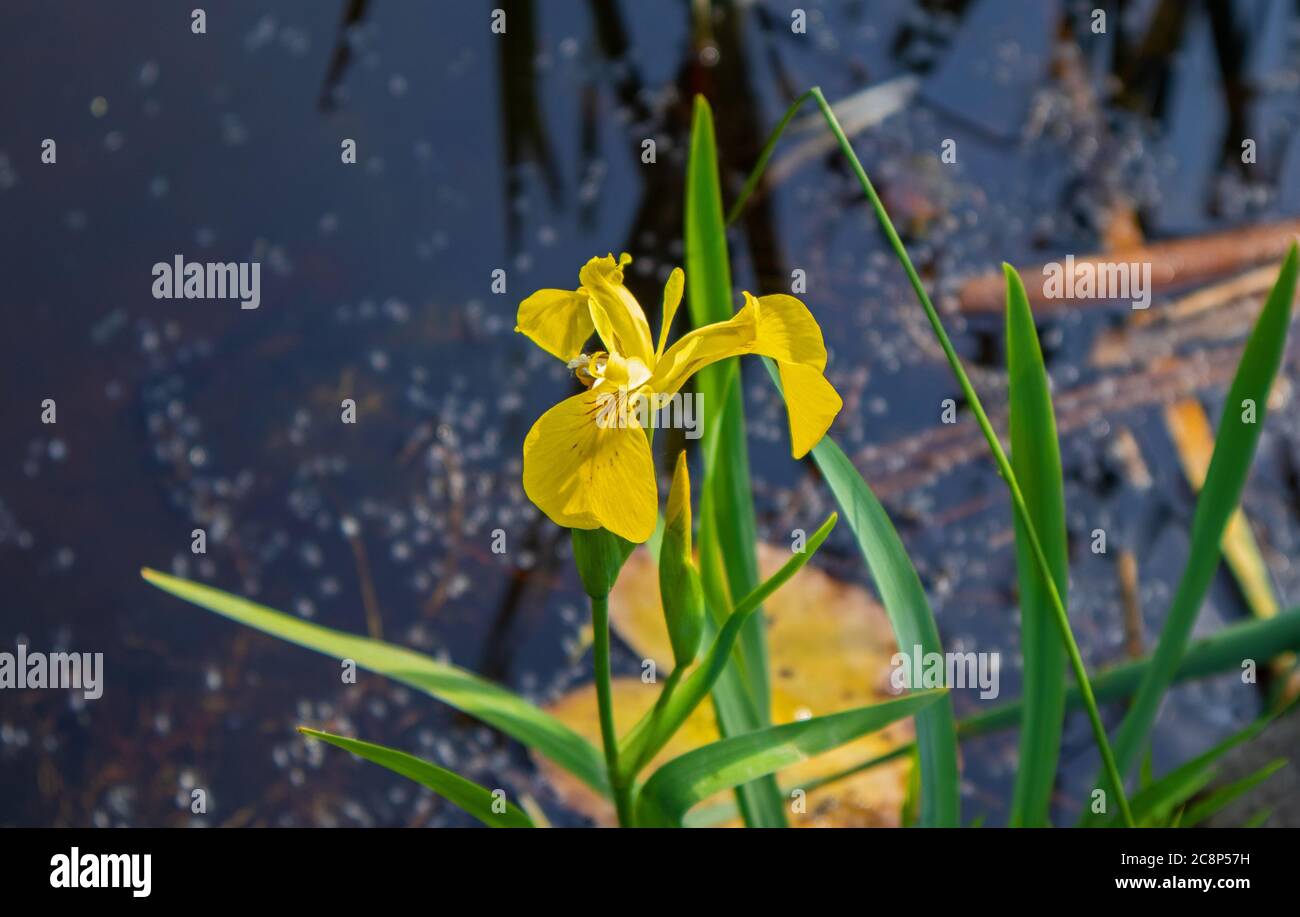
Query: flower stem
{"x":604,"y":700}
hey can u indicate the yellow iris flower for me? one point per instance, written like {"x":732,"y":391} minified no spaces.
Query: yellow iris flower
{"x":586,"y":472}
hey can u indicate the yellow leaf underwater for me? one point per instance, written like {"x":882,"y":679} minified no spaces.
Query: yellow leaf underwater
{"x":830,"y":645}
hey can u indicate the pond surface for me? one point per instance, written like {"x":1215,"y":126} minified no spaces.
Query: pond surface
{"x":479,"y":152}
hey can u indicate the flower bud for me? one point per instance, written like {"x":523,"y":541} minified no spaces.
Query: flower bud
{"x":679,"y":581}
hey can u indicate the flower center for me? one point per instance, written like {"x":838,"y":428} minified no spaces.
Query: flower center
{"x":587,"y":368}
{"x":609,"y":370}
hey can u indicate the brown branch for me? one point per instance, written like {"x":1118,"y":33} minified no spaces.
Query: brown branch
{"x":1181,"y":262}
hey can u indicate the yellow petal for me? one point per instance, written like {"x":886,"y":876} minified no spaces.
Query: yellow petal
{"x":672,"y":299}
{"x":811,"y":403}
{"x":703,"y":346}
{"x":558,"y":321}
{"x":780,"y":327}
{"x":586,"y":475}
{"x":614,"y":310}
{"x":787,"y":331}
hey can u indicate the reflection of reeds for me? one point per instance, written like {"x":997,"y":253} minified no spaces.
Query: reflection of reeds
{"x":742,"y":131}
{"x":541,"y":541}
{"x":353,"y":13}
{"x":522,"y":126}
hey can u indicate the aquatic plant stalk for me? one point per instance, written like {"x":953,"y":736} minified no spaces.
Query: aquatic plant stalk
{"x":977,"y":408}
{"x":604,"y":700}
{"x":910,"y":617}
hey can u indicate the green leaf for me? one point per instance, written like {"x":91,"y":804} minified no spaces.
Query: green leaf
{"x":1155,"y":803}
{"x":714,"y":815}
{"x":1234,"y":450}
{"x":468,"y":795}
{"x":696,"y":775}
{"x":909,"y":614}
{"x":658,"y":726}
{"x":911,"y":808}
{"x":1221,"y":797}
{"x":1146,"y":774}
{"x":728,"y":533}
{"x":452,"y":685}
{"x":1259,"y":819}
{"x":1036,"y":459}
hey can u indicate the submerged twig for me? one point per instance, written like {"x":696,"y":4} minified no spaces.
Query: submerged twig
{"x":1128,"y":590}
{"x":369,"y":599}
{"x":1136,"y":345}
{"x":1173,"y":264}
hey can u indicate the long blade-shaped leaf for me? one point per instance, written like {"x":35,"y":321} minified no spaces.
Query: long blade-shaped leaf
{"x":708,"y":275}
{"x":696,"y":775}
{"x":1036,"y":458}
{"x":1154,"y":803}
{"x":1220,"y":798}
{"x":913,"y":623}
{"x":909,"y":615}
{"x":468,"y":795}
{"x":716,"y":814}
{"x":728,"y":533}
{"x":452,"y":685}
{"x":1234,"y":449}
{"x":1259,"y":819}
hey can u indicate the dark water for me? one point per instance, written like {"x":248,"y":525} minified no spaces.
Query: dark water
{"x":479,"y":152}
